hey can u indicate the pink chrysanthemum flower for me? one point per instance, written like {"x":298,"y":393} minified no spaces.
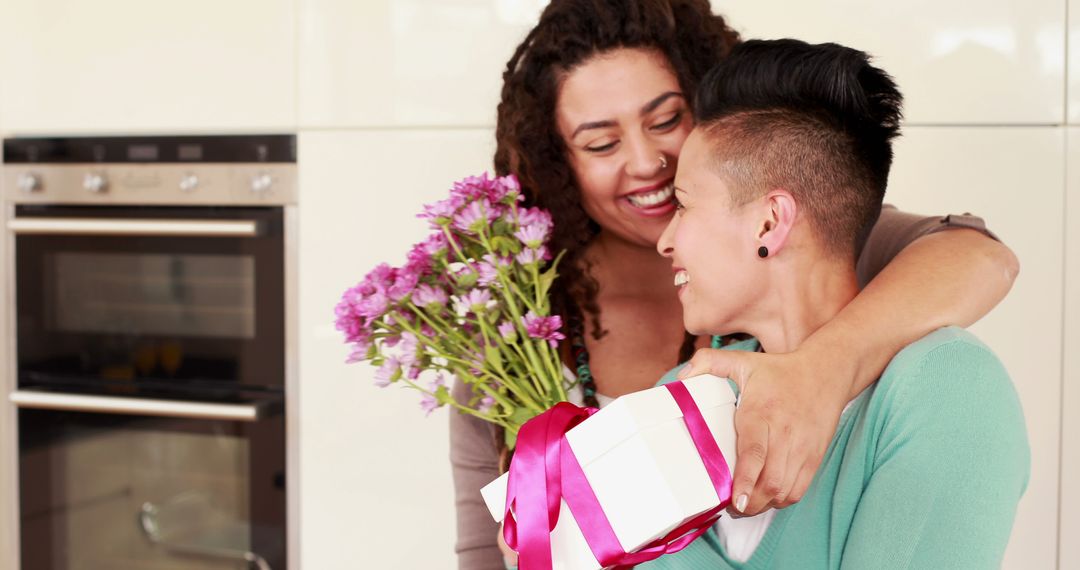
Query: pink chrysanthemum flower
{"x":507,"y":331}
{"x":405,"y":280}
{"x":474,"y":216}
{"x":425,"y":295}
{"x":528,"y":256}
{"x":408,"y":349}
{"x":487,"y":274}
{"x":385,"y":374}
{"x":543,"y":328}
{"x":441,"y":213}
{"x":435,"y":244}
{"x":535,"y":216}
{"x":428,"y":404}
{"x":475,"y":301}
{"x":533,"y":235}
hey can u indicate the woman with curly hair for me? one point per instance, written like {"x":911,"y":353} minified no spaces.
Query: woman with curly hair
{"x":594,"y":111}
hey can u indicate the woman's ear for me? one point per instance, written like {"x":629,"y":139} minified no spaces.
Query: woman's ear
{"x":779,"y":211}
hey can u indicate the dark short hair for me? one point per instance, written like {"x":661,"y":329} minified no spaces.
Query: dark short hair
{"x":816,"y":120}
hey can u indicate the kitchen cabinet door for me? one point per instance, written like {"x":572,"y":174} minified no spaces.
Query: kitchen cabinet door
{"x":122,"y":66}
{"x":382,"y":63}
{"x":1073,"y":99}
{"x":1014,"y":178}
{"x":375,"y":474}
{"x":1070,"y":432}
{"x":957,"y":62}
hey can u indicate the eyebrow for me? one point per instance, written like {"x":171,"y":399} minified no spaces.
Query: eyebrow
{"x":646,"y":109}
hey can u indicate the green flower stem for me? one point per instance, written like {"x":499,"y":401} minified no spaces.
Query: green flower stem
{"x":453,"y":243}
{"x":453,"y":403}
{"x":534,"y":269}
{"x":508,"y":286}
{"x":533,"y":358}
{"x":499,"y":398}
{"x":529,"y":397}
{"x":526,"y":398}
{"x":523,"y":395}
{"x":485,"y":330}
{"x":534,"y":380}
{"x":536,"y":395}
{"x":551,"y":357}
{"x":445,"y":328}
{"x":535,"y":364}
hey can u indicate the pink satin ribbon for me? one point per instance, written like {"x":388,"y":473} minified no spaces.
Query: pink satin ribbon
{"x":544,"y":472}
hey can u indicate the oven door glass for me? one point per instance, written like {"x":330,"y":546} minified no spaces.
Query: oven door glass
{"x":155,"y":303}
{"x":121,"y":492}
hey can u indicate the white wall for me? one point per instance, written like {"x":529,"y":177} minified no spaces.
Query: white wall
{"x":394,"y":99}
{"x":107,"y":66}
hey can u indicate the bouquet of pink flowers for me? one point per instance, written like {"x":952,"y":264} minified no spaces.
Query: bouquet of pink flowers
{"x":469,"y":305}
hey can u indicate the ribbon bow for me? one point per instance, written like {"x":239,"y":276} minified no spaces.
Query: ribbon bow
{"x":545,"y":471}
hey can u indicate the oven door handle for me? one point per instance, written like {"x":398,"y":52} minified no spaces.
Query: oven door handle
{"x":32,"y":399}
{"x":134,"y":227}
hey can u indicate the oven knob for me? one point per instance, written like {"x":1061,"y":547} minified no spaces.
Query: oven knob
{"x":189,"y":182}
{"x":95,"y":183}
{"x":261,"y":183}
{"x":28,"y":182}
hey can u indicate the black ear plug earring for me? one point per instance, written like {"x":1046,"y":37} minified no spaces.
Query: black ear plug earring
{"x":763,"y":252}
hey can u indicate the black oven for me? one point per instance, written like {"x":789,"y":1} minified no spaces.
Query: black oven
{"x":150,"y":354}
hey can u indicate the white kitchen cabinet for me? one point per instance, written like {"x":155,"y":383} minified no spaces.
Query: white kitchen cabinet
{"x":382,"y":63}
{"x":957,"y":62}
{"x":1014,"y":178}
{"x":125,"y":66}
{"x":1070,"y":430}
{"x":1073,"y":95}
{"x":375,"y":474}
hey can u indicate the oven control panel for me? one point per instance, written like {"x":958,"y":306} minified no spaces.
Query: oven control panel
{"x":212,"y":170}
{"x":116,"y":184}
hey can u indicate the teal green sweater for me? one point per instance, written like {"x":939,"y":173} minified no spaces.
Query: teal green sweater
{"x":925,"y":471}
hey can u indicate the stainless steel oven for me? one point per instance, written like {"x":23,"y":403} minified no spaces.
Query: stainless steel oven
{"x":149,"y":278}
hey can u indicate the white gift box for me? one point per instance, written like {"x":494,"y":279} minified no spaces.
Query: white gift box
{"x":641,"y":462}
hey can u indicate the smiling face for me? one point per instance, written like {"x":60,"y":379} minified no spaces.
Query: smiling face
{"x":713,"y":246}
{"x":619,"y":113}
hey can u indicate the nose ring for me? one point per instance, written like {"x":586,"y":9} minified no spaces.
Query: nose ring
{"x":663,"y":162}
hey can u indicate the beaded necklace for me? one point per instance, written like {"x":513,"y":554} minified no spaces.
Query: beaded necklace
{"x":580,"y":354}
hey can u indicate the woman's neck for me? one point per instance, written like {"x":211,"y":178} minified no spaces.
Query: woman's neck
{"x":801,"y":297}
{"x":625,"y":268}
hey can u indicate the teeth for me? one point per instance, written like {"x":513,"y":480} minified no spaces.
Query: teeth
{"x":653,"y":198}
{"x":682,"y":278}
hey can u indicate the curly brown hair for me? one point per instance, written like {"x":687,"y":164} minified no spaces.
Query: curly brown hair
{"x":569,"y":33}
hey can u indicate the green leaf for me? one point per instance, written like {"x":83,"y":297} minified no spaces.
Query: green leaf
{"x":442,"y":395}
{"x":506,"y":245}
{"x":467,"y":279}
{"x":520,"y":415}
{"x":494,"y":358}
{"x":500,"y":228}
{"x":549,"y":275}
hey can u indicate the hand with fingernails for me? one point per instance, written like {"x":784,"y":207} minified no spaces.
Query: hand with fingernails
{"x":789,"y":407}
